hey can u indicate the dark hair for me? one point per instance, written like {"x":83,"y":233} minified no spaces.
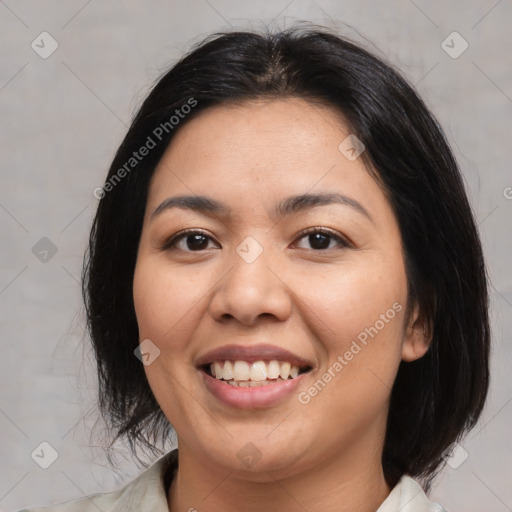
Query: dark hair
{"x":436,"y":399}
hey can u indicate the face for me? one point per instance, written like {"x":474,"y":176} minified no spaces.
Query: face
{"x":290,"y":270}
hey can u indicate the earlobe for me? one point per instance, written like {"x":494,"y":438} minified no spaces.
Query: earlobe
{"x":417,"y":339}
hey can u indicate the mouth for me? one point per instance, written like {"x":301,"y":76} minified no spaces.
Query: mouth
{"x":258,"y":376}
{"x":241,"y":373}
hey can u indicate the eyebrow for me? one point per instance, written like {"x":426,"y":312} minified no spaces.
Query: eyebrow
{"x":290,"y":205}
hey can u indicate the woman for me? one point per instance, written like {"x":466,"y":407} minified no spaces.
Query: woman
{"x":284,"y":242}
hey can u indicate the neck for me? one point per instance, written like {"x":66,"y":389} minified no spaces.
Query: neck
{"x":339,"y":483}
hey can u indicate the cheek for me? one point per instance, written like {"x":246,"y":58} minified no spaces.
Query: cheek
{"x":348,"y":303}
{"x":357,"y":316}
{"x":359,"y":320}
{"x":167,"y":306}
{"x":166,"y":302}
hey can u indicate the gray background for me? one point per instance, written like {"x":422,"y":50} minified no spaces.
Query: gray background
{"x":64,"y":116}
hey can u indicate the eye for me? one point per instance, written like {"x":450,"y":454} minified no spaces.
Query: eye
{"x":321,"y":238}
{"x":189,"y":241}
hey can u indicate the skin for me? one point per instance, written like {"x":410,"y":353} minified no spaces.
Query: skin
{"x":326,"y":454}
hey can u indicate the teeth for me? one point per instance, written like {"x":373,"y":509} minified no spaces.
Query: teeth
{"x":285,"y":370}
{"x":241,"y":370}
{"x":227,"y":371}
{"x":217,"y":370}
{"x":273,"y":370}
{"x":252,"y":384}
{"x":260,"y":373}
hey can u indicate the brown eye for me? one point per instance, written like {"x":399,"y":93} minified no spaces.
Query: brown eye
{"x":188,"y":241}
{"x":321,"y":238}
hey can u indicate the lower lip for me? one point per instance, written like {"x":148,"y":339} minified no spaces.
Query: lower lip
{"x":251,"y":397}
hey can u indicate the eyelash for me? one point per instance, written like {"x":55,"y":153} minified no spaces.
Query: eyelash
{"x":170,"y":244}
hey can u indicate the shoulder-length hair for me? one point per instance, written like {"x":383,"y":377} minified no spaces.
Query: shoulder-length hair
{"x":436,"y":399}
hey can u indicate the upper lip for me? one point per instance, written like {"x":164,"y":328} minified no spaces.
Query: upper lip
{"x":251,"y":354}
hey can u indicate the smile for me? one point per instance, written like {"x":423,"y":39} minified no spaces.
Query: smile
{"x":256,"y":374}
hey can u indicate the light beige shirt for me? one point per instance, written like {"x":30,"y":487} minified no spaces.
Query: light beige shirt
{"x":147,"y":493}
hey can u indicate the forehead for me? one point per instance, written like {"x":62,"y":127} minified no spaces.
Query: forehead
{"x":289,"y":125}
{"x":261,"y":150}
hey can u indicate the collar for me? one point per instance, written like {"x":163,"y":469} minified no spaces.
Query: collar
{"x":408,"y":496}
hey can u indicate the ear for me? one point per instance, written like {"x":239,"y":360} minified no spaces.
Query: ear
{"x":418,"y":336}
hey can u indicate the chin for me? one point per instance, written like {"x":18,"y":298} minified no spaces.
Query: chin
{"x":258,"y":458}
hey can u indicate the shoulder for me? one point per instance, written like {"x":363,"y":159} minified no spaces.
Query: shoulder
{"x":408,"y":496}
{"x":146,"y":492}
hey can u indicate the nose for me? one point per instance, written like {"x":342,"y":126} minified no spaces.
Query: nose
{"x":249,"y":291}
